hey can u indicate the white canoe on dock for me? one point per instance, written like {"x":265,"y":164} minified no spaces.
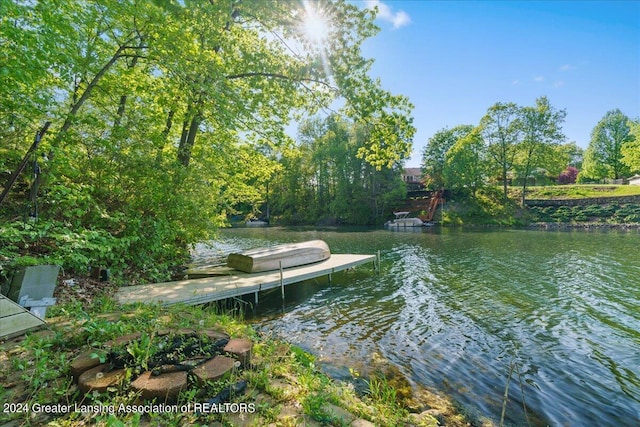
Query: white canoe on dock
{"x":280,"y":256}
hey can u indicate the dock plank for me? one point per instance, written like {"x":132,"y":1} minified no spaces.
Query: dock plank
{"x":16,"y":320}
{"x":234,"y":284}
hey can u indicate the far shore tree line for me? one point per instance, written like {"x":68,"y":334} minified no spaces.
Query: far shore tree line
{"x":524,"y":145}
{"x":323,"y":180}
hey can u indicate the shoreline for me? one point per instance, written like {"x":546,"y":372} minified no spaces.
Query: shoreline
{"x":584,"y":226}
{"x":285,"y":381}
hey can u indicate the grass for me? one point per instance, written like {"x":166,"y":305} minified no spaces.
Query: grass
{"x":487,"y":208}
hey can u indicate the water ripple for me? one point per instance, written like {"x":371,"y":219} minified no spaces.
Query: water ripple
{"x":454,"y":310}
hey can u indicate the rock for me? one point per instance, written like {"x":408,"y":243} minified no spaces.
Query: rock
{"x":99,"y":378}
{"x":362,"y":423}
{"x":344,"y":416}
{"x":215,"y":335}
{"x":241,"y":349}
{"x":83,"y":362}
{"x":293,"y":414}
{"x":240,"y":419}
{"x":122,"y":340}
{"x":165,"y":387}
{"x":430,"y":418}
{"x":228,"y":393}
{"x":214,"y":369}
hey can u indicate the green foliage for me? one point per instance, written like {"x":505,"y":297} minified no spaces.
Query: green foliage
{"x":604,"y":156}
{"x":582,"y":191}
{"x":322,"y":180}
{"x":487,"y":208}
{"x":631,"y":150}
{"x":305,"y":359}
{"x":380,"y":390}
{"x":593,"y":214}
{"x":55,"y":243}
{"x":509,"y":139}
{"x":466,"y":165}
{"x":434,"y":155}
{"x":501,"y":130}
{"x":167,"y":117}
{"x":541,"y":133}
{"x":568,"y":154}
{"x":42,"y":362}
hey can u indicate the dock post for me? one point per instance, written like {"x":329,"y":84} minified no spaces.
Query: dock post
{"x":256,"y":297}
{"x":281,"y":281}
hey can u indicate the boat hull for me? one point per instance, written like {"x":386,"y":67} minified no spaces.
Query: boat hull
{"x":405,"y":223}
{"x":280,"y":256}
{"x":257,"y":223}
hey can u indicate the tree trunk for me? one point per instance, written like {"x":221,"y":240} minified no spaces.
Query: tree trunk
{"x":123,"y":100}
{"x":188,"y":139}
{"x":527,"y":170}
{"x":23,"y":163}
{"x":85,"y":95}
{"x":164,"y":135}
{"x":504,"y":180}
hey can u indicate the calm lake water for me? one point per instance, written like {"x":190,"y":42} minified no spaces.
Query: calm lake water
{"x":453,"y":310}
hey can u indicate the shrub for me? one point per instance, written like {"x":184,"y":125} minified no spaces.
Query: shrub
{"x":568,"y":176}
{"x":52,"y":242}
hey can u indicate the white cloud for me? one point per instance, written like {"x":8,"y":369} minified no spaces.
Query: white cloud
{"x":538,"y":79}
{"x":398,"y":19}
{"x":558,"y":84}
{"x":567,"y":67}
{"x":515,"y":82}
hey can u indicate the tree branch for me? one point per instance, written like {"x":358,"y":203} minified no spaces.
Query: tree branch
{"x":85,"y":95}
{"x":279,"y":76}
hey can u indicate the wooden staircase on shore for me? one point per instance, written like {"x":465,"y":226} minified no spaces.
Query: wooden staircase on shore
{"x":427,"y":204}
{"x":436,"y":200}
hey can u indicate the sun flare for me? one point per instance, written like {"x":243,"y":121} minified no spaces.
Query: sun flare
{"x":315,"y":25}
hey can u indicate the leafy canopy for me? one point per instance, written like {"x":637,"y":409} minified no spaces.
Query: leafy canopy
{"x":604,"y":155}
{"x":167,"y":117}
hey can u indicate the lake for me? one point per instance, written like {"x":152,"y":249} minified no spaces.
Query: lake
{"x":456,"y":310}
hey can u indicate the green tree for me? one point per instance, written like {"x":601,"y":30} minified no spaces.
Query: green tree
{"x":338,"y":186}
{"x":501,"y":130}
{"x":167,"y":116}
{"x":379,"y":188}
{"x":293,"y":188}
{"x":631,"y":150}
{"x":541,"y":129}
{"x":435,"y":152}
{"x":555,"y":158}
{"x":572,"y":154}
{"x":603,"y":157}
{"x":466,"y":164}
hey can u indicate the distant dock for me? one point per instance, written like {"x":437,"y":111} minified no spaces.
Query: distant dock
{"x":233,"y":283}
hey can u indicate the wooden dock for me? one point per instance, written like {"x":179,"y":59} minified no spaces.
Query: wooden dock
{"x":233,"y":283}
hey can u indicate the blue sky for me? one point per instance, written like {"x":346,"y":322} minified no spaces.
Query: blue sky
{"x":454,"y":59}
